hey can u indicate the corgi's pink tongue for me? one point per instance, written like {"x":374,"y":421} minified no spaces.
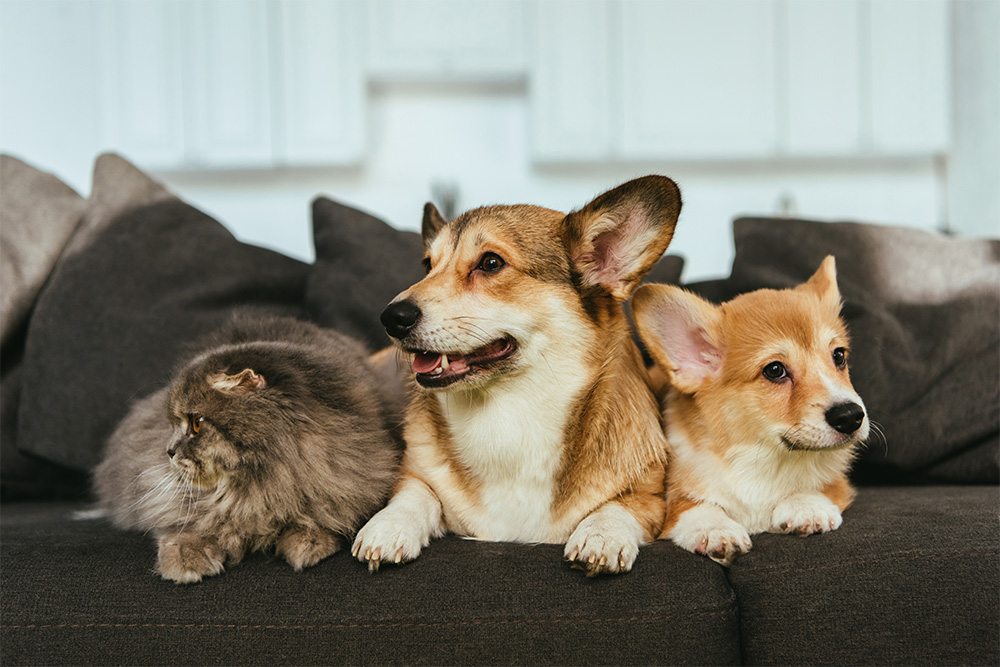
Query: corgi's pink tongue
{"x":428,"y":362}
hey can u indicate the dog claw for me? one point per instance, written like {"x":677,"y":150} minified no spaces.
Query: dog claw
{"x":399,"y":556}
{"x":572,"y":557}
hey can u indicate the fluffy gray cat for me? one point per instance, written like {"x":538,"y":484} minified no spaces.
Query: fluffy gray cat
{"x":275,"y":435}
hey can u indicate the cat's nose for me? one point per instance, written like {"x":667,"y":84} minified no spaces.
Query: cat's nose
{"x":845,"y":417}
{"x":399,"y":318}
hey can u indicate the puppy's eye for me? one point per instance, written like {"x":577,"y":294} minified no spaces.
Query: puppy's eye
{"x":490,"y":263}
{"x":194,"y":424}
{"x":775,"y":371}
{"x":840,"y":358}
{"x":427,"y":264}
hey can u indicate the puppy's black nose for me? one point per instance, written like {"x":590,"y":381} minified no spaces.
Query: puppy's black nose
{"x":845,"y":417}
{"x":398,"y":318}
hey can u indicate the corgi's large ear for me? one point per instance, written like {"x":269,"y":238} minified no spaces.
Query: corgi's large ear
{"x":432,"y":224}
{"x":823,"y":283}
{"x":681,"y":332}
{"x":615,"y":239}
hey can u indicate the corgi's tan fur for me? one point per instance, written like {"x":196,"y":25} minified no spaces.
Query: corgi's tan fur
{"x":761,"y":417}
{"x":532,"y":418}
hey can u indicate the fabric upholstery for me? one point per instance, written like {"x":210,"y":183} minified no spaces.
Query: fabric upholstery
{"x":460,"y":602}
{"x":38,"y":214}
{"x":911,"y":578}
{"x":361,"y":265}
{"x":120,"y":308}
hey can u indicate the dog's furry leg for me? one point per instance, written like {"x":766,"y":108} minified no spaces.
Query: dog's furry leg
{"x":403,"y":528}
{"x":607,"y":541}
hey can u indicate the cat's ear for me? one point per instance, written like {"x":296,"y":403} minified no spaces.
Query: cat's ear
{"x":244,"y":382}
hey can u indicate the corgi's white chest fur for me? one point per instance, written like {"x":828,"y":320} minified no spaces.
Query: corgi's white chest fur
{"x":510,"y":439}
{"x":751,"y":479}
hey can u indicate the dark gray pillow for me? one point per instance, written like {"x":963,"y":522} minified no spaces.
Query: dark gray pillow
{"x":362,"y":263}
{"x":924,"y":316}
{"x":117,"y":313}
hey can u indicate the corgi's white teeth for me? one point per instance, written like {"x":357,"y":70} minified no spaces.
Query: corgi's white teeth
{"x":437,"y":371}
{"x":444,"y":362}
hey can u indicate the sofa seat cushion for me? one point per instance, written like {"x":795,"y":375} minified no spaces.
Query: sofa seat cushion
{"x":910,"y":578}
{"x":79,"y":592}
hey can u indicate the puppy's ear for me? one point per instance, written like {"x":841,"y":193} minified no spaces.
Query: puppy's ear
{"x":244,"y":382}
{"x":823,"y":283}
{"x":681,"y":332}
{"x":615,"y":239}
{"x":432,"y":224}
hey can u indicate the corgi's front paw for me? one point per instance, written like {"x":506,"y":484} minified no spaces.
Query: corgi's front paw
{"x":605,"y":542}
{"x":708,"y":530}
{"x":389,"y":537}
{"x":805,"y":515}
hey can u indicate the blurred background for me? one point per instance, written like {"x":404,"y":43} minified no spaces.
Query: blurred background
{"x":884,"y":111}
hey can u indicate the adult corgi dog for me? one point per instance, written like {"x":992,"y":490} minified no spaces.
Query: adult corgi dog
{"x":761,"y":417}
{"x":532,"y":419}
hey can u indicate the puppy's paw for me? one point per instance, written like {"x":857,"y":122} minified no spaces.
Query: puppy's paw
{"x":304,"y":548}
{"x":389,"y":537}
{"x":606,"y":542}
{"x":708,"y":530}
{"x":185,"y":559}
{"x":805,"y":514}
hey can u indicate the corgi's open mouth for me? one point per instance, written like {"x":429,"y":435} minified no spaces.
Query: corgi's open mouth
{"x":440,"y":369}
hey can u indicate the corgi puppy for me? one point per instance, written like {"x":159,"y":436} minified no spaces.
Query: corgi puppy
{"x":532,"y":419}
{"x":761,"y":417}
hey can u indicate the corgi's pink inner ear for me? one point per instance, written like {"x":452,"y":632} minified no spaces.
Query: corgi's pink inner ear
{"x":615,"y":239}
{"x":679,"y":330}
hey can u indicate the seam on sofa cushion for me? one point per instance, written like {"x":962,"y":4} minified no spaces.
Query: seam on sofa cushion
{"x":869,"y":561}
{"x":348,"y":626}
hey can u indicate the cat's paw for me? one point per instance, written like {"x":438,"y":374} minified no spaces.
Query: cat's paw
{"x":805,"y":515}
{"x":304,"y":548}
{"x":707,"y":530}
{"x":605,"y":542}
{"x":389,"y":537}
{"x":185,"y":559}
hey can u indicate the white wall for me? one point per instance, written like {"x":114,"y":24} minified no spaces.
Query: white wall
{"x":479,"y":133}
{"x":476,"y":138}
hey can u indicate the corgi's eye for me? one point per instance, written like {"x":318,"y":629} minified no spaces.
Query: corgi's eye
{"x":840,"y":358}
{"x":194,"y":424}
{"x":427,"y":264}
{"x":775,"y":371}
{"x":490,"y":262}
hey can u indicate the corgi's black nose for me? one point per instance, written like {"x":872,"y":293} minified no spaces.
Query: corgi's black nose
{"x":398,"y":318}
{"x":845,"y":417}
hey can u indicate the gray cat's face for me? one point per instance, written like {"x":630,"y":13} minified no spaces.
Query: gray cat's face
{"x":201,"y":409}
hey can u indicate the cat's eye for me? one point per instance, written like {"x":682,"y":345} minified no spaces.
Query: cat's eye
{"x":194,"y":424}
{"x":490,"y":262}
{"x":775,"y":371}
{"x":840,"y":358}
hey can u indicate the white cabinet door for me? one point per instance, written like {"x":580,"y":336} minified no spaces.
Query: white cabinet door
{"x":228,"y":70}
{"x":909,"y":77}
{"x":569,"y":86}
{"x":698,"y":79}
{"x":319,"y":118}
{"x":142,"y":99}
{"x":821,"y":68}
{"x":438,"y":39}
